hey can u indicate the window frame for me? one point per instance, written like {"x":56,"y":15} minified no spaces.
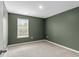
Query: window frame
{"x":23,"y":36}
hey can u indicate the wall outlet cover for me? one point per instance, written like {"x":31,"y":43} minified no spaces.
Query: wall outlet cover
{"x":32,"y":37}
{"x":46,"y":36}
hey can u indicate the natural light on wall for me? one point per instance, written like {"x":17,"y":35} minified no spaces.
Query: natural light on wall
{"x":22,"y":28}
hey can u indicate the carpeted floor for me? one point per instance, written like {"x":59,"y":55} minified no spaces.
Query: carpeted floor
{"x":38,"y":49}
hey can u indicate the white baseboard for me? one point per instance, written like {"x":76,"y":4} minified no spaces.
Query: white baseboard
{"x":63,"y":46}
{"x":26,"y":42}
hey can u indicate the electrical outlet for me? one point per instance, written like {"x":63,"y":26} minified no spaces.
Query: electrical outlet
{"x":46,"y":36}
{"x":31,"y":37}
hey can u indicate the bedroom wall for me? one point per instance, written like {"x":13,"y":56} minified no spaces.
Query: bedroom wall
{"x":3,"y":26}
{"x":36,"y":28}
{"x":63,"y":28}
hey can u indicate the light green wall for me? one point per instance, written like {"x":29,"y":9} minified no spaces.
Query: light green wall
{"x":36,"y":28}
{"x":63,"y":28}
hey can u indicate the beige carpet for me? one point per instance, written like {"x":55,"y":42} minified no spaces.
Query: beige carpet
{"x":38,"y":49}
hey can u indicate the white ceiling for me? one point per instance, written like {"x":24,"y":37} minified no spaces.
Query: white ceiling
{"x":30,"y":8}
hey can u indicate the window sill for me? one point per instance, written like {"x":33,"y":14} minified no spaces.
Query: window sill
{"x":23,"y":36}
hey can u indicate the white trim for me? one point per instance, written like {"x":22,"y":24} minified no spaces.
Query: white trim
{"x":25,"y":36}
{"x":63,"y":46}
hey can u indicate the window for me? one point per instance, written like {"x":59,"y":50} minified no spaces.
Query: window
{"x":22,"y":28}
